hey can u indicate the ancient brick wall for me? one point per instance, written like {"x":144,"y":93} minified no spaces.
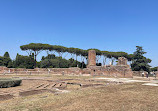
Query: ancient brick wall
{"x":91,"y":58}
{"x":139,"y":73}
{"x":110,"y":71}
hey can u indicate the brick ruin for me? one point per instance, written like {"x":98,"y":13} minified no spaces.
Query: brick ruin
{"x":122,"y":61}
{"x":119,"y":70}
{"x":91,"y":58}
{"x":122,"y":69}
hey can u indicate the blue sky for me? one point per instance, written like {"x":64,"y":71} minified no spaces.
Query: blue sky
{"x":112,"y":25}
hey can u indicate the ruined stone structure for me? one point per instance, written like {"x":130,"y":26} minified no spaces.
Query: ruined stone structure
{"x":110,"y":71}
{"x":122,"y":61}
{"x":139,"y":73}
{"x":122,"y":69}
{"x":91,"y":58}
{"x":119,"y":70}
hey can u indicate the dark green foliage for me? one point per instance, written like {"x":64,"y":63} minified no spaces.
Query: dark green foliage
{"x":35,"y":48}
{"x":140,"y":63}
{"x":74,"y":63}
{"x":49,"y":56}
{"x":130,"y":57}
{"x":6,"y":54}
{"x":154,"y":69}
{"x":51,"y":61}
{"x":4,"y":61}
{"x":54,"y":63}
{"x":6,"y":83}
{"x":59,"y":49}
{"x":115,"y":55}
{"x":24,"y":62}
{"x":38,"y":64}
{"x":10,"y":64}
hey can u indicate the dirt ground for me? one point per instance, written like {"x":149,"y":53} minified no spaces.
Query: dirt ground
{"x":112,"y":96}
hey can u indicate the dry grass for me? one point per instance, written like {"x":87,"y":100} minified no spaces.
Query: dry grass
{"x":24,"y":86}
{"x":72,"y":87}
{"x":124,"y":97}
{"x":46,"y":76}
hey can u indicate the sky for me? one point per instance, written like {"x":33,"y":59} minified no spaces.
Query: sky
{"x":111,"y":25}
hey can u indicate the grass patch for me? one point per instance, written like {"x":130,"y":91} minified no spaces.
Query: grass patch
{"x":73,"y":86}
{"x":8,"y":82}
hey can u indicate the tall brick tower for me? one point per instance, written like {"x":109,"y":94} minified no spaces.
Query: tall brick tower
{"x":91,"y":58}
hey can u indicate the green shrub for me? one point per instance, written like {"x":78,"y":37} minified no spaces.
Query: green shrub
{"x":6,"y":83}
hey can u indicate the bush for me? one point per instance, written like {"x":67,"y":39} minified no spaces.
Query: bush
{"x":6,"y":83}
{"x":24,"y":62}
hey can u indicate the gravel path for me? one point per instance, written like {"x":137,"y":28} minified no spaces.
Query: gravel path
{"x":130,"y":80}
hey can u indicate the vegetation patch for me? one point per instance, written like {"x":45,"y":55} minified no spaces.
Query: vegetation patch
{"x":8,"y":82}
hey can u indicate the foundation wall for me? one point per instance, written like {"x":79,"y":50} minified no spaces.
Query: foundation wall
{"x":110,"y":71}
{"x":139,"y":73}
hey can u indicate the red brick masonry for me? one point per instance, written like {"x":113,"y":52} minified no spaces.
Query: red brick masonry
{"x":110,"y":71}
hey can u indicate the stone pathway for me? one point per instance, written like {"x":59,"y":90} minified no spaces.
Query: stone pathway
{"x":145,"y":81}
{"x":150,"y":84}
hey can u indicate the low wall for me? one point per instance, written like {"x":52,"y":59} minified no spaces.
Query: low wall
{"x":139,"y":73}
{"x":110,"y":71}
{"x":156,"y":73}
